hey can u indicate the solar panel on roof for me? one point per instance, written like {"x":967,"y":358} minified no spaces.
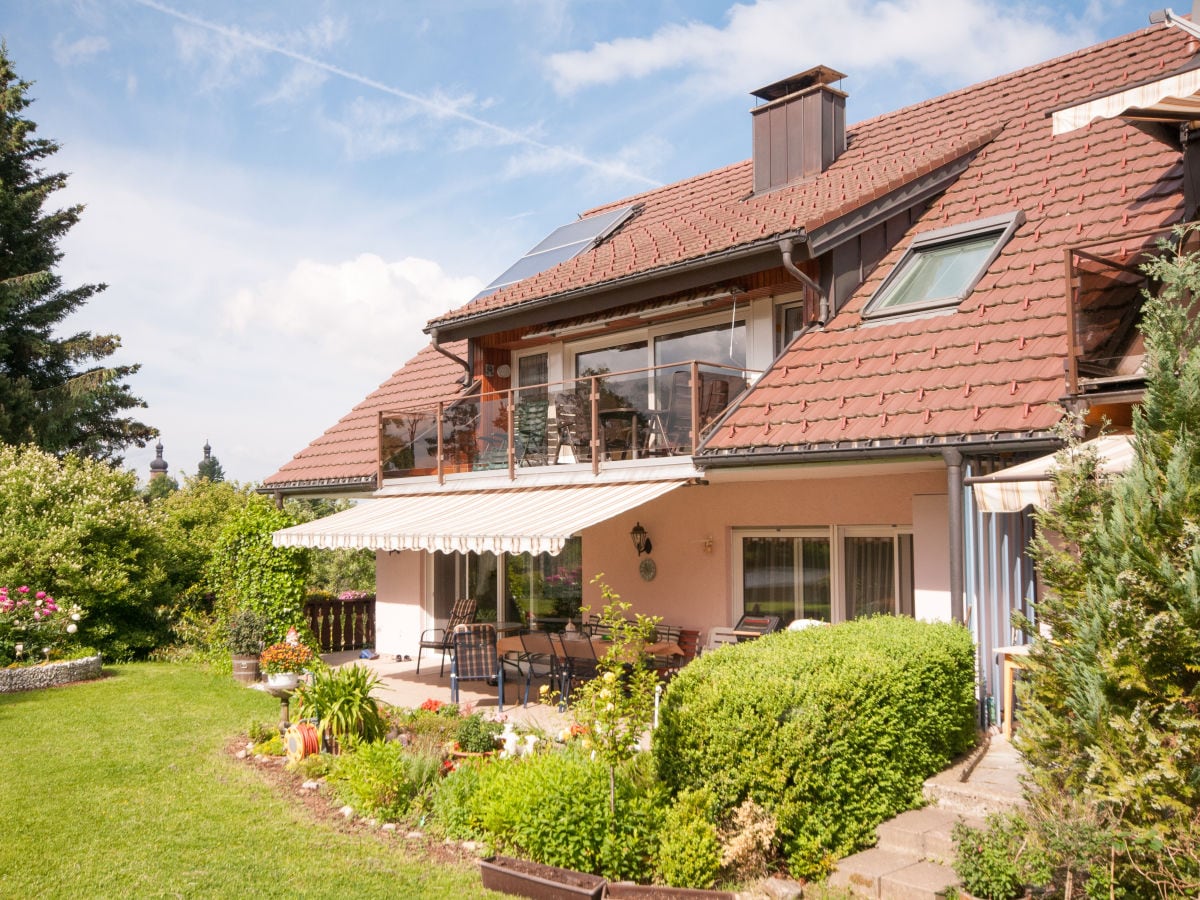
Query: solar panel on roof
{"x":563,"y":243}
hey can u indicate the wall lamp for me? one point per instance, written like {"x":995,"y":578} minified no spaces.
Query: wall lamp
{"x":641,"y":540}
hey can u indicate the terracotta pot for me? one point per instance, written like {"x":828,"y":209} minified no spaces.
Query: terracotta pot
{"x":245,"y":667}
{"x":530,"y":879}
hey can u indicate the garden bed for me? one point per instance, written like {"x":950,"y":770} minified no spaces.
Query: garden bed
{"x":32,"y":678}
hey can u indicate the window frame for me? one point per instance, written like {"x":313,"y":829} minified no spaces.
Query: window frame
{"x":1002,"y":226}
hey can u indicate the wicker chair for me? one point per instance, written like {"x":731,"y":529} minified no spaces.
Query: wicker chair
{"x":475,"y":659}
{"x":441,"y":639}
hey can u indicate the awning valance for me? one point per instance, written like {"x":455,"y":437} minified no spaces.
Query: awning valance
{"x":1172,"y":98}
{"x":1028,"y":484}
{"x":518,"y":520}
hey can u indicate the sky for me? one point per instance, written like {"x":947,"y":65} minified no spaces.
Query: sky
{"x":280,"y":195}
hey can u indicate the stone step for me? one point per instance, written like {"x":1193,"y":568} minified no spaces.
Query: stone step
{"x":926,"y":834}
{"x":920,"y":881}
{"x":970,"y":798}
{"x":861,"y":873}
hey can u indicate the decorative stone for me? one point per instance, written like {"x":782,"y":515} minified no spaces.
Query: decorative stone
{"x":347,"y":812}
{"x":311,"y":786}
{"x":389,"y":826}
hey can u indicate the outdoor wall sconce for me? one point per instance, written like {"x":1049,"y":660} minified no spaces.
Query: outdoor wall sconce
{"x":641,"y":540}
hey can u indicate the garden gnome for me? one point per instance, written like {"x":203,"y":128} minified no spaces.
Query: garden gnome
{"x":293,"y":636}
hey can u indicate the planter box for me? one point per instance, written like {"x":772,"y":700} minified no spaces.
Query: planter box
{"x":245,"y":667}
{"x":529,"y":879}
{"x":624,"y":890}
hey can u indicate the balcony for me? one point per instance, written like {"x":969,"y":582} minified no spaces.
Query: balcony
{"x":1105,"y":286}
{"x":598,"y":419}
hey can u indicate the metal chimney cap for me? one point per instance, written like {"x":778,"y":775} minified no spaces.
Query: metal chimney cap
{"x":813,"y":77}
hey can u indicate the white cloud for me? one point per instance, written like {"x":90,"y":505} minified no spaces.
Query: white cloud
{"x":81,"y":51}
{"x":371,"y":128}
{"x":966,"y":40}
{"x":298,"y":84}
{"x":367,"y":313}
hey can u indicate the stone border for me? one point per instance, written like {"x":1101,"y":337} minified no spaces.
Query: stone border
{"x":32,"y":678}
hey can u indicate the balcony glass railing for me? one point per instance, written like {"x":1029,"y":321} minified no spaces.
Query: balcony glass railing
{"x":596,"y":418}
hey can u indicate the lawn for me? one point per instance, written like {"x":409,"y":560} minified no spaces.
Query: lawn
{"x":121,"y":787}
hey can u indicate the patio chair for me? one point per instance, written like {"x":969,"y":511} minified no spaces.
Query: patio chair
{"x":720,"y":637}
{"x":475,"y":659}
{"x":529,"y":423}
{"x":538,"y":660}
{"x":574,"y":419}
{"x":578,"y":660}
{"x":714,"y":400}
{"x":441,"y":639}
{"x":759,"y":624}
{"x":679,"y":412}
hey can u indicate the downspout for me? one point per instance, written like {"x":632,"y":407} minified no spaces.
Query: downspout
{"x":785,"y":249}
{"x":466,"y":379}
{"x":954,"y":485}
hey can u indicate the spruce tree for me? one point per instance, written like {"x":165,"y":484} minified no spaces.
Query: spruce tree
{"x":54,"y":390}
{"x":1113,"y":701}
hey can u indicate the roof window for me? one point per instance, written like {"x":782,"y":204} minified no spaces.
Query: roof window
{"x":941,"y":267}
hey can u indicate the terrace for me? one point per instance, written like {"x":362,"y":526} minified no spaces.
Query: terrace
{"x":600,"y":419}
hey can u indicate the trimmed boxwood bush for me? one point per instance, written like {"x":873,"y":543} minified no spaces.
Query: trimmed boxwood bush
{"x":831,"y":729}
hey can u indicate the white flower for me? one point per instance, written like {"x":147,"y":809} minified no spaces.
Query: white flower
{"x":72,"y":628}
{"x":74,"y":617}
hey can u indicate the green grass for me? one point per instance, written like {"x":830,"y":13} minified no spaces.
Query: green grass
{"x":121,"y":788}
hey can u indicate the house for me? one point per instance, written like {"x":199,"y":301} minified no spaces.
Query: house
{"x":781,"y":378}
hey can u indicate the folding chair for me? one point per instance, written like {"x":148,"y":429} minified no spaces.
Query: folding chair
{"x":441,"y":639}
{"x":475,"y":659}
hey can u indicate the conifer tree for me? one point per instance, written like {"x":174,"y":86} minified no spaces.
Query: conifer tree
{"x":54,"y":390}
{"x":1113,"y":706}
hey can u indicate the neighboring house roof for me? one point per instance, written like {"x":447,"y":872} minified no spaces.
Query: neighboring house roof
{"x":346,"y":455}
{"x":992,"y":368}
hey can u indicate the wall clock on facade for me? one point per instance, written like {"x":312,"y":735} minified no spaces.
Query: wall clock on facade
{"x":647,"y":569}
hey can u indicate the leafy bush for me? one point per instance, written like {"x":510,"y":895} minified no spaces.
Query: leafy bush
{"x":747,"y":842}
{"x":382,"y":779}
{"x":341,"y":702}
{"x":554,"y":808}
{"x":833,"y":730}
{"x":271,"y":746}
{"x":246,"y":631}
{"x":78,"y":529}
{"x":33,"y":621}
{"x":476,"y":735}
{"x":454,"y":811}
{"x":689,"y":852}
{"x":1001,"y":860}
{"x":249,"y":572}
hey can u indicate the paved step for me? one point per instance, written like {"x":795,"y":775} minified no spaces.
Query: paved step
{"x":926,"y":834}
{"x":862,"y":872}
{"x":920,"y":881}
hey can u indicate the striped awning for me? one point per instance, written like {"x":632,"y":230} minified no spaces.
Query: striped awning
{"x":1029,"y":484}
{"x":518,"y":520}
{"x":1170,"y":99}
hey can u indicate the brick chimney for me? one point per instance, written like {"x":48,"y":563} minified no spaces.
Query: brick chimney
{"x":800,"y":130}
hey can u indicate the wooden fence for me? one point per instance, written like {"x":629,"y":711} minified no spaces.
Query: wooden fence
{"x":342,"y":624}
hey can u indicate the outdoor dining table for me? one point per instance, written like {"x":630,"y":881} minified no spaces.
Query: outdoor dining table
{"x":512,"y":644}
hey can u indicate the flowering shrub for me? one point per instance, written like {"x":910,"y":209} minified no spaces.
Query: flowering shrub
{"x":285,"y":657}
{"x":431,"y":705}
{"x":35,"y":622}
{"x":356,"y":595}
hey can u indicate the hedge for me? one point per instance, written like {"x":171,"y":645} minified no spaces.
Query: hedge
{"x":832,"y":729}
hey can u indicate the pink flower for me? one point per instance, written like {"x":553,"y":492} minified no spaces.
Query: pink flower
{"x":24,"y":589}
{"x":41,"y":595}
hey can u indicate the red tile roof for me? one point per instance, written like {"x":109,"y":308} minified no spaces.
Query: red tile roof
{"x":346,"y":454}
{"x":993,"y":365}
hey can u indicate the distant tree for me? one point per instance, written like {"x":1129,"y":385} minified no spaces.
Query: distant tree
{"x":160,"y":487}
{"x":210,"y":467}
{"x":334,"y":571}
{"x":54,"y":391}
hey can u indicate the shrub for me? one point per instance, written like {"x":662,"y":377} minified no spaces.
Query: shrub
{"x":382,"y":779}
{"x":689,"y":853}
{"x":476,"y":735}
{"x":246,"y":631}
{"x":271,"y":746}
{"x":833,"y":730}
{"x":747,"y":842}
{"x":341,"y":702}
{"x":1001,"y":860}
{"x":454,"y":812}
{"x":553,"y":808}
{"x":78,"y":529}
{"x":34,"y":621}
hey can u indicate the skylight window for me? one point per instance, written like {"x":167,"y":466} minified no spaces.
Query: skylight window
{"x":942,"y":267}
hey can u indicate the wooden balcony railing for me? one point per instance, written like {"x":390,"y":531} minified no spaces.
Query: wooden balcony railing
{"x":1105,"y":288}
{"x":596,"y":419}
{"x":342,"y":624}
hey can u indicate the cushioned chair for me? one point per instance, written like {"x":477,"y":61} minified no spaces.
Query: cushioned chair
{"x":529,"y":422}
{"x":440,"y":639}
{"x":759,"y":624}
{"x":475,"y":659}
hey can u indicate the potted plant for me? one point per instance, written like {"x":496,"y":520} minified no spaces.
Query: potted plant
{"x":246,"y":629}
{"x":283,"y":662}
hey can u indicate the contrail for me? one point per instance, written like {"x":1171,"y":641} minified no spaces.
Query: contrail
{"x":436,"y":109}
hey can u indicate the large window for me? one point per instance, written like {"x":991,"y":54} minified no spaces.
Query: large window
{"x":941,"y":267}
{"x":828,"y":574}
{"x":510,"y":588}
